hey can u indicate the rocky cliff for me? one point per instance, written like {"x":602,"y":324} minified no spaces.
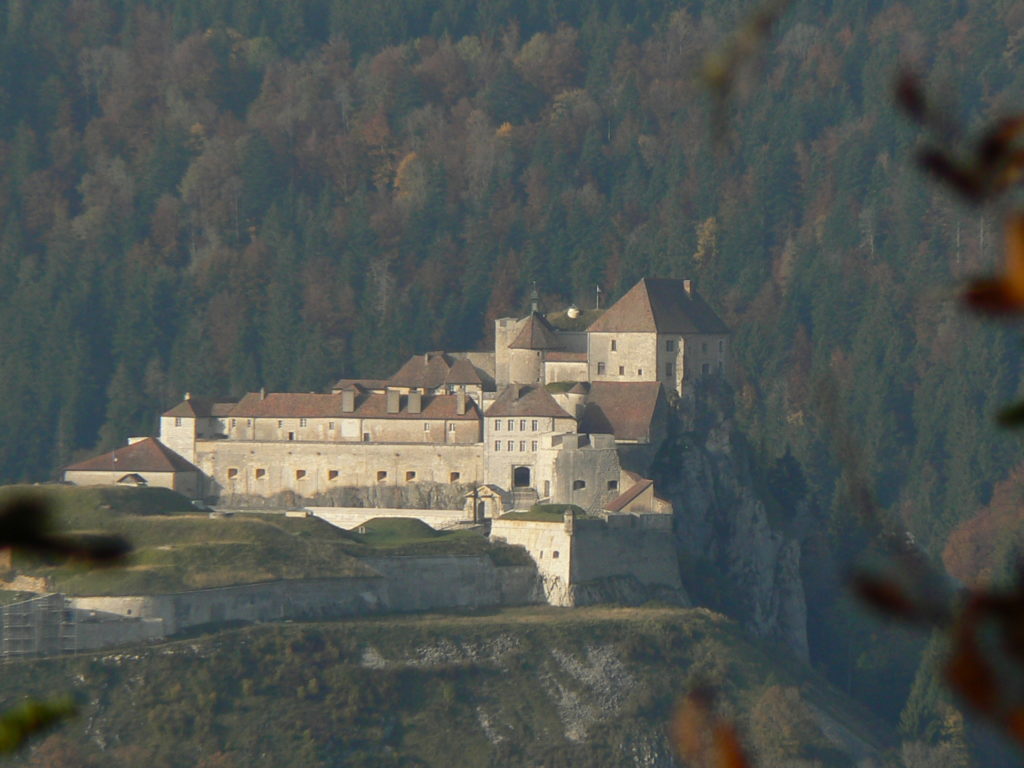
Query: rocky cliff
{"x":740,"y":552}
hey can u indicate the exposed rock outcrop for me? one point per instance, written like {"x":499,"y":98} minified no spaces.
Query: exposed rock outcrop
{"x":735,"y":556}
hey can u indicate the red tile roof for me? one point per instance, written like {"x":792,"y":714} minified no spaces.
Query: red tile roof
{"x":428,"y":371}
{"x":360,"y":383}
{"x":288,"y":405}
{"x":199,"y":407}
{"x":148,"y":455}
{"x":520,"y":400}
{"x":623,"y":500}
{"x":536,"y":333}
{"x":625,"y":409}
{"x":463,"y":372}
{"x":659,"y":305}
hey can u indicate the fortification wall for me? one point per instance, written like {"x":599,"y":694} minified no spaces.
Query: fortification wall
{"x":310,"y":470}
{"x":550,"y":546}
{"x":625,"y":546}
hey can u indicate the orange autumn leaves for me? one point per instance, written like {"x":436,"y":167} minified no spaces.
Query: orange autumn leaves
{"x":701,"y":737}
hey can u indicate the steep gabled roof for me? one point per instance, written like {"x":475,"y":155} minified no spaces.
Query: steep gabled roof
{"x":289,"y":405}
{"x":360,"y":383}
{"x":625,"y":409}
{"x":520,"y":400}
{"x":463,"y":372}
{"x":428,"y":371}
{"x":197,"y":408}
{"x":147,"y":455}
{"x":659,"y":305}
{"x":537,"y":334}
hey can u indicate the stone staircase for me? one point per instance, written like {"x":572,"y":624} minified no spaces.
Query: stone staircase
{"x":521,"y":499}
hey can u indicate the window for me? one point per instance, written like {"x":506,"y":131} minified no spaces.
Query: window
{"x":280,"y":423}
{"x":522,"y":445}
{"x":622,"y":370}
{"x":613,"y":485}
{"x":249,"y":423}
{"x":382,"y":475}
{"x":291,"y":435}
{"x":366,"y":437}
{"x":332,"y":474}
{"x":232,"y":473}
{"x":451,"y":426}
{"x":497,"y":445}
{"x":511,"y":425}
{"x":497,"y":425}
{"x":522,"y":425}
{"x":554,"y":554}
{"x":579,"y":485}
{"x":511,"y":446}
{"x":410,"y":476}
{"x":639,"y":371}
{"x":330,"y":425}
{"x":533,"y":425}
{"x":177,"y":421}
{"x":705,"y":369}
{"x":600,"y":369}
{"x":426,"y":426}
{"x":303,"y":422}
{"x":234,"y":423}
{"x":669,"y":369}
{"x":533,"y":446}
{"x":260,"y":473}
{"x":615,"y":345}
{"x":670,"y":345}
{"x":300,"y":474}
{"x":454,"y":477}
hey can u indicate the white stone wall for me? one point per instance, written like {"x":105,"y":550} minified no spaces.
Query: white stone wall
{"x":624,"y":547}
{"x":564,"y":372}
{"x":624,"y":356}
{"x":590,"y":460}
{"x":268,"y":468}
{"x":511,"y":442}
{"x":550,"y":546}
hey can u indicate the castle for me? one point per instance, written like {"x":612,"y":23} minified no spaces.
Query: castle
{"x":564,"y":411}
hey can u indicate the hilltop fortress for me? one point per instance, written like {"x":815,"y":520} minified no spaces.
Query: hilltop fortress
{"x":567,"y":410}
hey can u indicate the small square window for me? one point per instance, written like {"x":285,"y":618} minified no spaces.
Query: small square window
{"x":260,"y":473}
{"x":382,"y":475}
{"x":613,"y":485}
{"x":232,"y":473}
{"x":410,"y":476}
{"x":554,"y":554}
{"x":332,"y":474}
{"x":177,"y":421}
{"x":579,"y":485}
{"x":366,"y":437}
{"x":300,"y":474}
{"x":454,"y":477}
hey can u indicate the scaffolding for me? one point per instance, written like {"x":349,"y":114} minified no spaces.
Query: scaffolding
{"x":40,"y":626}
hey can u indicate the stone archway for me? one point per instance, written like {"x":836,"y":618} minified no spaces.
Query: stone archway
{"x":521,"y":477}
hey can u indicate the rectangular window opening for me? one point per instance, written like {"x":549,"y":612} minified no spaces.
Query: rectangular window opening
{"x":579,"y":485}
{"x":600,"y":369}
{"x":533,"y":425}
{"x":613,"y":485}
{"x":522,"y":445}
{"x":260,"y":473}
{"x":300,"y":474}
{"x":332,"y":474}
{"x":382,"y":475}
{"x":303,"y":422}
{"x":426,"y":426}
{"x":232,"y":473}
{"x":410,"y":476}
{"x":615,"y":345}
{"x":177,"y":421}
{"x":622,"y":370}
{"x":497,"y":445}
{"x":454,"y":477}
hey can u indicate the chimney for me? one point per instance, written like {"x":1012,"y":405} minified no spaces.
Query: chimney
{"x":460,"y":402}
{"x":688,"y":287}
{"x":188,"y":395}
{"x":263,"y":393}
{"x":348,"y":400}
{"x":415,"y":401}
{"x":394,"y":401}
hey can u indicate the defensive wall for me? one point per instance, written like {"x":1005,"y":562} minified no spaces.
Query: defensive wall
{"x":405,"y":584}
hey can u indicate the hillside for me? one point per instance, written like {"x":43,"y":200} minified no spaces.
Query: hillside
{"x":176,"y":548}
{"x":526,"y":687}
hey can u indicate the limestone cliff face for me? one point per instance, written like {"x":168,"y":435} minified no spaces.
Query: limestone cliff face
{"x":735,"y":556}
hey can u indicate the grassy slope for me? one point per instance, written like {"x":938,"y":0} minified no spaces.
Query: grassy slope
{"x":539,"y":687}
{"x":177,"y":548}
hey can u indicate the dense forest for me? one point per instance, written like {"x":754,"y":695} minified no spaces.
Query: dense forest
{"x":217,"y":196}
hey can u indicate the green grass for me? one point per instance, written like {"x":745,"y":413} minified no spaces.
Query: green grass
{"x":175,"y":548}
{"x":557,"y":387}
{"x":545,"y":513}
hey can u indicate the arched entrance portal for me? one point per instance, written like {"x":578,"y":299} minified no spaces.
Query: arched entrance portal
{"x":521,"y":477}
